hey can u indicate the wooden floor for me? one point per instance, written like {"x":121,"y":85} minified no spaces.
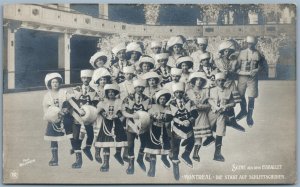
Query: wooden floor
{"x":271,"y":141}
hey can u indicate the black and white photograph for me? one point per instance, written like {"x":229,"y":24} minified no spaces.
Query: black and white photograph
{"x":149,"y":93}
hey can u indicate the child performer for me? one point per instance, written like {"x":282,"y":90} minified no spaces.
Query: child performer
{"x":163,"y":68}
{"x":119,"y":63}
{"x":146,"y":64}
{"x":159,"y":143}
{"x":229,"y":66}
{"x":153,"y":80}
{"x":55,"y":107}
{"x":186,"y":64}
{"x":100,"y":78}
{"x":221,"y":101}
{"x":184,"y":113}
{"x":112,"y":133}
{"x":131,"y":104}
{"x":200,"y":95}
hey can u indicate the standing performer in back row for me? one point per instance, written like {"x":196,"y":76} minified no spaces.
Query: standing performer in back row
{"x":249,"y":63}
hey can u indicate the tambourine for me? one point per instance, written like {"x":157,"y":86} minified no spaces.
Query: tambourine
{"x":52,"y":114}
{"x":90,"y":114}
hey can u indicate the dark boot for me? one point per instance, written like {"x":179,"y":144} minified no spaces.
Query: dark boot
{"x":186,"y":159}
{"x":87,"y":152}
{"x":125,"y":155}
{"x":105,"y":165}
{"x":78,"y":162}
{"x":184,"y":142}
{"x":130,"y":169}
{"x":165,"y":161}
{"x":176,"y":169}
{"x":235,"y":125}
{"x":54,"y":159}
{"x":243,"y":112}
{"x":118,"y":156}
{"x":196,"y":156}
{"x":209,"y":140}
{"x":72,"y":151}
{"x":250,"y":121}
{"x":140,"y":161}
{"x":97,"y":155}
{"x":151,"y":172}
{"x":218,"y":155}
{"x":147,"y":157}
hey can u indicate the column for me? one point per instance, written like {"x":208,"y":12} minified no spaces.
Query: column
{"x":64,"y":56}
{"x":11,"y":58}
{"x":103,"y":11}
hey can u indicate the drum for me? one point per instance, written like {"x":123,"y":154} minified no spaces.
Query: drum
{"x":52,"y":114}
{"x":90,"y":114}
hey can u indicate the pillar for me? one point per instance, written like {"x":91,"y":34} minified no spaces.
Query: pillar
{"x":64,"y":52}
{"x":11,"y":63}
{"x":103,"y":11}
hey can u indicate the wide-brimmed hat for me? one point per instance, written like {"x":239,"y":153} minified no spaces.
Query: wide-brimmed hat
{"x":118,"y":48}
{"x":176,"y":71}
{"x":100,"y":72}
{"x":154,"y":44}
{"x":204,"y":56}
{"x":198,"y":75}
{"x":152,"y":74}
{"x":174,"y":40}
{"x":128,"y":69}
{"x":133,"y":46}
{"x":226,"y":45}
{"x":202,"y":41}
{"x":162,"y":92}
{"x":186,"y":59}
{"x":99,"y":54}
{"x":146,"y":59}
{"x":51,"y":76}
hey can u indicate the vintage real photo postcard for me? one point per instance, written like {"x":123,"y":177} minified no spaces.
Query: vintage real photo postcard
{"x":149,"y":94}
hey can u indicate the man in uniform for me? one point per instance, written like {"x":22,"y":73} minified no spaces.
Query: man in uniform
{"x":82,"y":95}
{"x":248,"y":62}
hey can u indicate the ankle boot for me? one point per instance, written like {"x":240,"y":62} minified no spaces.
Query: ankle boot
{"x":165,"y":161}
{"x":130,"y":169}
{"x":186,"y":159}
{"x":250,"y":121}
{"x":235,"y":125}
{"x":209,"y":140}
{"x":78,"y":162}
{"x":54,"y":159}
{"x":243,"y":112}
{"x":118,"y":156}
{"x":87,"y":152}
{"x":105,"y":165}
{"x":196,"y":156}
{"x":176,"y":169}
{"x":151,"y":172}
{"x":140,"y":161}
{"x":97,"y":155}
{"x":125,"y":154}
{"x":218,"y":155}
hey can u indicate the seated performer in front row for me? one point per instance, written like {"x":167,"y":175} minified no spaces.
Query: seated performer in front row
{"x":184,"y":113}
{"x":159,"y":143}
{"x":112,"y":133}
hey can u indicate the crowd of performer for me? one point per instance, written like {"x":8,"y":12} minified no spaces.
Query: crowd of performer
{"x":168,"y":100}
